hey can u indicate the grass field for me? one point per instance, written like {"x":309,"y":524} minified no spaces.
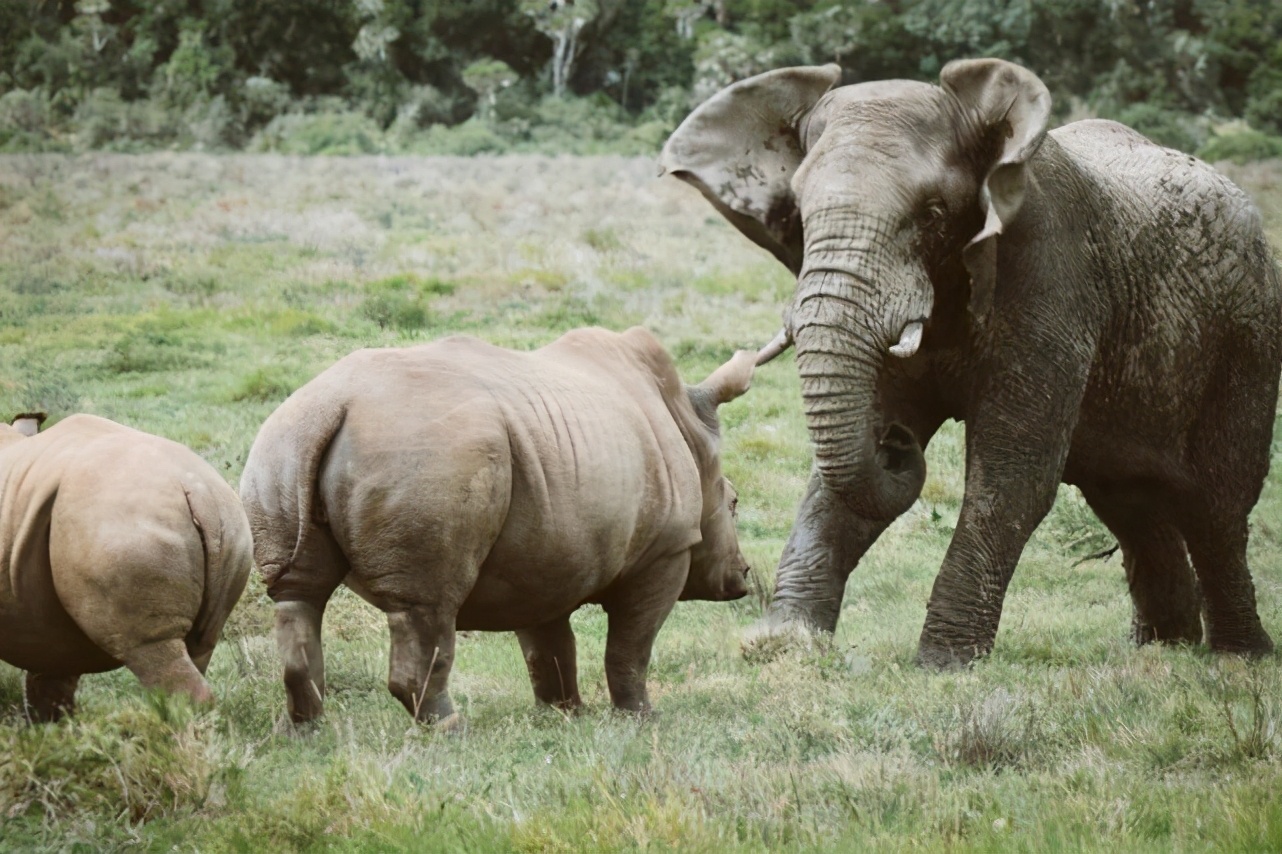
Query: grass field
{"x":188,"y":295}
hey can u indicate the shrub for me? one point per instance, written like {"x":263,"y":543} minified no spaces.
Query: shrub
{"x":328,"y":132}
{"x":25,"y":120}
{"x":1171,"y":128}
{"x":1241,"y":145}
{"x":401,"y":302}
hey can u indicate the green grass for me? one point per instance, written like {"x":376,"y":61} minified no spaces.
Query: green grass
{"x":188,"y":295}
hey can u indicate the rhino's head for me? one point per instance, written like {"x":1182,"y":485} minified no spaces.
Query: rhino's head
{"x":24,"y":425}
{"x":718,"y":570}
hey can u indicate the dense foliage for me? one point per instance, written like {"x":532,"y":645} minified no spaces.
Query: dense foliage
{"x":467,"y":76}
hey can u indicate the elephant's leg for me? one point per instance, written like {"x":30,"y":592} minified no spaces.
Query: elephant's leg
{"x":1016,"y":446}
{"x":636,"y":609}
{"x":50,"y":696}
{"x":167,"y":666}
{"x":826,"y":542}
{"x":1164,"y":591}
{"x":1218,"y":548}
{"x":550,"y":657}
{"x":421,"y":660}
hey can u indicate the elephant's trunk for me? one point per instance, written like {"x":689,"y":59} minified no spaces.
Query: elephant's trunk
{"x":876,"y":467}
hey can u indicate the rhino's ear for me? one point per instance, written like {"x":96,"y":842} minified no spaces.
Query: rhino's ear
{"x":731,"y":379}
{"x":28,"y":423}
{"x":741,"y":147}
{"x":1011,"y":103}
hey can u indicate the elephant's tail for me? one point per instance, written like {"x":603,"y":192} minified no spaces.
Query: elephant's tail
{"x":280,"y":490}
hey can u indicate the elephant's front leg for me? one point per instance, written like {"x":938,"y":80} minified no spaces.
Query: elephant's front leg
{"x":827,"y":540}
{"x":1016,"y":447}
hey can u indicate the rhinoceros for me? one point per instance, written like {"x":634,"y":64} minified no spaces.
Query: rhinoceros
{"x":458,"y":485}
{"x":116,"y":548}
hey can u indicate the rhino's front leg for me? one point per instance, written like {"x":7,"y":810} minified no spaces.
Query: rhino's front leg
{"x":50,"y":697}
{"x":550,"y":657}
{"x":637,"y":608}
{"x":422,"y":656}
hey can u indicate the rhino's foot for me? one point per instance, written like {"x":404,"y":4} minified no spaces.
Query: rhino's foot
{"x":452,"y":724}
{"x":775,"y":635}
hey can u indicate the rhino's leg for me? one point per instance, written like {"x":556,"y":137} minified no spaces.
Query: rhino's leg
{"x":550,"y":658}
{"x":298,"y":641}
{"x":637,"y":608}
{"x":422,"y":655}
{"x":166,"y":665}
{"x":49,"y":696}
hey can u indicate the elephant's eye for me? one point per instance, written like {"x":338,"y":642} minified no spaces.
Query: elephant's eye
{"x":934,"y":212}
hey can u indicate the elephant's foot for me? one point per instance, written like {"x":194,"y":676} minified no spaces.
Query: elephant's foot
{"x":778,"y":633}
{"x":1179,"y":630}
{"x":933,"y":654}
{"x":1252,"y":642}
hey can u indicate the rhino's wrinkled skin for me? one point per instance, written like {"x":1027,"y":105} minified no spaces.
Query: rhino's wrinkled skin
{"x":460,"y":485}
{"x":116,"y":548}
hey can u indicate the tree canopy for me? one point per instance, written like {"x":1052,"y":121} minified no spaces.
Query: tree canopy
{"x":477,"y":75}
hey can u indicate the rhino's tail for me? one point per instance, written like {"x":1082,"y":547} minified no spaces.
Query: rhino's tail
{"x":280,"y":492}
{"x":225,"y":540}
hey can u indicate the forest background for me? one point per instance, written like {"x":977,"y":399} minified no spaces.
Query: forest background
{"x":591,"y":76}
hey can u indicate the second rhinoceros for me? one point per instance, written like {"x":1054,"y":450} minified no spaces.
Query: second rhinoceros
{"x":457,"y":485}
{"x":116,"y":548}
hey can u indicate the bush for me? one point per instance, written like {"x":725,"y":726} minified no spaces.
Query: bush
{"x":25,"y":120}
{"x":105,"y":120}
{"x":329,"y":132}
{"x":1241,"y":145}
{"x":1164,"y":126}
{"x":401,"y":302}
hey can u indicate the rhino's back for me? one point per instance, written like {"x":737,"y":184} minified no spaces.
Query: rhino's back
{"x":573,"y":440}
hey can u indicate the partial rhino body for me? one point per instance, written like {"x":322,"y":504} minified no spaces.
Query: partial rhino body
{"x":116,"y":548}
{"x":460,"y":485}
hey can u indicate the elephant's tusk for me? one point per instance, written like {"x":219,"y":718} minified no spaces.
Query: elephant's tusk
{"x":776,"y":346}
{"x":909,"y":341}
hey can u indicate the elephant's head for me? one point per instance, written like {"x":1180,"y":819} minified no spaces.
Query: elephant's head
{"x":718,"y":570}
{"x":886,"y":200}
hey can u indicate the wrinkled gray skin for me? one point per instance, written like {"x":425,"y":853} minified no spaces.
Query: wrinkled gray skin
{"x":117,"y":548}
{"x":457,"y":485}
{"x":1099,"y":310}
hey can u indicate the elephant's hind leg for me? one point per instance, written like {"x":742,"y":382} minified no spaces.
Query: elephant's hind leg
{"x":1164,"y":591}
{"x":1218,"y":547}
{"x":550,"y":658}
{"x":166,"y":665}
{"x":50,"y":696}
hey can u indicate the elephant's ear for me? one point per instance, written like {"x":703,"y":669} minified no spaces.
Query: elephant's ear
{"x":1011,"y":102}
{"x":741,"y":147}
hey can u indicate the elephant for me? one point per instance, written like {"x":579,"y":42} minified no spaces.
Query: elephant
{"x":461,"y":486}
{"x":1097,"y":309}
{"x":117,"y":548}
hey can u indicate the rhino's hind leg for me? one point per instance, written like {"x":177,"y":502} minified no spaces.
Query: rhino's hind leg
{"x":550,"y":657}
{"x":298,"y":640}
{"x":166,"y":665}
{"x":422,"y":656}
{"x":49,"y":696}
